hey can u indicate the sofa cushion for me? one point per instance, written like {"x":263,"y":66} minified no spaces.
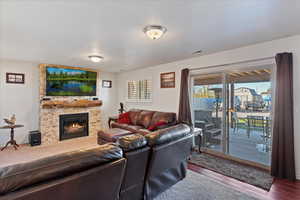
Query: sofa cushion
{"x":132,"y":128}
{"x":132,"y":142}
{"x":169,"y":118}
{"x":145,"y":118}
{"x":21,"y":175}
{"x":134,"y":115}
{"x":168,"y":134}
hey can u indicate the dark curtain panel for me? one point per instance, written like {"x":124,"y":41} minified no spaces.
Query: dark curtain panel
{"x":283,"y":157}
{"x":184,"y":114}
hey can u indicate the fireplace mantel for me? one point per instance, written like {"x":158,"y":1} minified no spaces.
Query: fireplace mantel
{"x":71,"y":104}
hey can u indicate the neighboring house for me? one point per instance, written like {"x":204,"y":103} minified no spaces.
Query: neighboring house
{"x":248,"y":98}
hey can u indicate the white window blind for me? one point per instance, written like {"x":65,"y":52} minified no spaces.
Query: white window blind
{"x":139,"y":91}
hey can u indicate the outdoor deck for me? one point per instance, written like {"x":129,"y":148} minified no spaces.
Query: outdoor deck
{"x":246,"y":147}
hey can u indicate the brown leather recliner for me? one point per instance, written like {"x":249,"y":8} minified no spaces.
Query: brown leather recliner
{"x":91,"y":174}
{"x":154,"y":168}
{"x":137,"y":154}
{"x":167,"y":165}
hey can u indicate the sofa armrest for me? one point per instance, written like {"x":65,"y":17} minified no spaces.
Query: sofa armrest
{"x":168,"y":134}
{"x":115,"y":125}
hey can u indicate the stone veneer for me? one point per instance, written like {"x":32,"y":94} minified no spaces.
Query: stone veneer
{"x":49,"y":122}
{"x":49,"y":118}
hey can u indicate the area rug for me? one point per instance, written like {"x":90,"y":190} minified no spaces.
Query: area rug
{"x":199,"y":187}
{"x":26,"y":153}
{"x":247,"y":174}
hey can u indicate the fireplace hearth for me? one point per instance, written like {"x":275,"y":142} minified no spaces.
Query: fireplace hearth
{"x":73,"y":126}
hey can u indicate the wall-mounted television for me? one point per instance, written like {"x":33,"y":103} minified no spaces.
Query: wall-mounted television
{"x":70,"y":82}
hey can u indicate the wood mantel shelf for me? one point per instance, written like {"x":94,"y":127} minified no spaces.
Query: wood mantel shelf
{"x":71,"y":104}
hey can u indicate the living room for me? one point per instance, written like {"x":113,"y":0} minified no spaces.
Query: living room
{"x":184,"y":83}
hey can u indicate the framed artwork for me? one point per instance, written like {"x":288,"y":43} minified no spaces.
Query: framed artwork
{"x":167,"y":80}
{"x":106,"y":84}
{"x":15,"y":78}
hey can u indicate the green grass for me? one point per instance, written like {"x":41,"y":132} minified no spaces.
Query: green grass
{"x":70,"y":79}
{"x":86,"y":89}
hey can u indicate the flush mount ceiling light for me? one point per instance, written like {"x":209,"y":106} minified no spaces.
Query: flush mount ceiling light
{"x":96,"y":58}
{"x":154,"y":32}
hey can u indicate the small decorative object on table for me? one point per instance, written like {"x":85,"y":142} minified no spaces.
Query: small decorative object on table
{"x":11,"y":121}
{"x":121,"y":110}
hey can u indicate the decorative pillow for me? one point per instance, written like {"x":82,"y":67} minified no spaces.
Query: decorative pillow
{"x":155,"y":126}
{"x":124,"y":118}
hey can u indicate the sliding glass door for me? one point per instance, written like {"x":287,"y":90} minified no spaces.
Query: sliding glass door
{"x":233,"y":109}
{"x":208,"y":105}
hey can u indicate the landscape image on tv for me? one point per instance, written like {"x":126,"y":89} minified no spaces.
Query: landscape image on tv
{"x":70,"y":82}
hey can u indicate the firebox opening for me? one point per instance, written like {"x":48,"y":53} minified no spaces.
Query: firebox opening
{"x":73,"y":126}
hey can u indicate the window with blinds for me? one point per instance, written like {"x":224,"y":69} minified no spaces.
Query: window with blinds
{"x":139,"y":91}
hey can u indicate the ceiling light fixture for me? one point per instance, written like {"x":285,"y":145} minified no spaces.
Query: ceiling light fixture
{"x":96,"y":58}
{"x":154,"y":32}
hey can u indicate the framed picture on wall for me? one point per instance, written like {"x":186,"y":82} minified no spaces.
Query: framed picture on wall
{"x":15,"y":78}
{"x":106,"y":84}
{"x":167,"y":80}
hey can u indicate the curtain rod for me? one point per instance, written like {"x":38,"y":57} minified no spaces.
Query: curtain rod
{"x":234,"y":63}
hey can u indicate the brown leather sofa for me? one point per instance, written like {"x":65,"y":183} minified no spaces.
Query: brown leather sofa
{"x":141,"y":120}
{"x":91,"y":174}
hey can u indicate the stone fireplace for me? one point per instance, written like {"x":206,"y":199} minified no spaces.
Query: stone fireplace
{"x":59,"y":116}
{"x":73,"y":126}
{"x":50,"y":122}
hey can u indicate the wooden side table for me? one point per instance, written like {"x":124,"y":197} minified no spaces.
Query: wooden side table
{"x":12,"y":141}
{"x":112,"y":118}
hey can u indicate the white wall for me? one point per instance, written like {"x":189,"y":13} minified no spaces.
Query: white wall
{"x":23,"y":99}
{"x":168,"y":99}
{"x":19,"y":99}
{"x":109,"y":96}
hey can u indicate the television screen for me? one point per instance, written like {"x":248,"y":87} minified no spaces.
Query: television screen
{"x":70,"y":82}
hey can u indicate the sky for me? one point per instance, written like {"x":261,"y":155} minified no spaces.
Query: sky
{"x":58,"y":70}
{"x":259,"y":87}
